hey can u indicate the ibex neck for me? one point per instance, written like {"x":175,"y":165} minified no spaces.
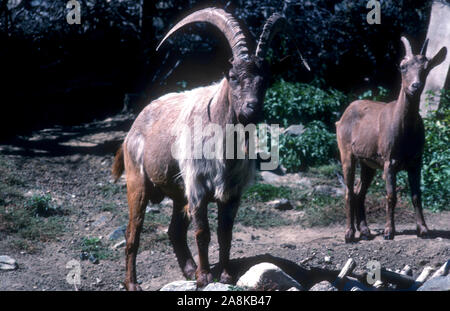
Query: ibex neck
{"x":406,"y":111}
{"x":221,"y":109}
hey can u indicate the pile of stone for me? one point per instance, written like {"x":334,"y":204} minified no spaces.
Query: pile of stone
{"x":269,"y":277}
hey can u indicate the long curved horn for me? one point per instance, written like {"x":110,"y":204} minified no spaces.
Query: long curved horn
{"x":224,"y":21}
{"x":275,"y":24}
{"x":407,"y":45}
{"x":423,"y":51}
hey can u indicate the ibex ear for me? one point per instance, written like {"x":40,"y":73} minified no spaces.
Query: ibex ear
{"x":438,"y":58}
{"x":228,"y":65}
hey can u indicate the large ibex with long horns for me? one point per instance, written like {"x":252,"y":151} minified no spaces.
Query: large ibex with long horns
{"x":386,"y":136}
{"x":152,"y":171}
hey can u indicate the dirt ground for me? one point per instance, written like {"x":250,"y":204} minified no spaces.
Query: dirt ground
{"x":72,"y":166}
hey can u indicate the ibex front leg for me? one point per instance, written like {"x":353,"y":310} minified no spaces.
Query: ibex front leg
{"x":199,"y":212}
{"x":414,"y":183}
{"x":391,"y":200}
{"x":227,"y":213}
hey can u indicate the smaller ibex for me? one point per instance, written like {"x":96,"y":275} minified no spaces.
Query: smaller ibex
{"x":387,"y":136}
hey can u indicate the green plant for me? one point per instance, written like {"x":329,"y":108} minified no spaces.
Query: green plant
{"x":436,"y":157}
{"x":380,"y":95}
{"x":24,"y":222}
{"x":315,"y":146}
{"x":265,"y":192}
{"x":95,"y":247}
{"x":289,"y":103}
{"x":41,"y":205}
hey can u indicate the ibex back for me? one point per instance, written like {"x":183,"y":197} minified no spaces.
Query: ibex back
{"x":387,"y":136}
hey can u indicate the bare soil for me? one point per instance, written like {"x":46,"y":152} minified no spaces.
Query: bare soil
{"x":72,"y":165}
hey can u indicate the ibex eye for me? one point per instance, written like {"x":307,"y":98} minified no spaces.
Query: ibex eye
{"x":403,"y":67}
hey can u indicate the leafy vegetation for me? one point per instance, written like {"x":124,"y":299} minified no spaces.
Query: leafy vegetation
{"x":315,"y":146}
{"x":436,"y":157}
{"x":27,"y":225}
{"x":289,"y":103}
{"x":96,"y":248}
{"x":264,"y":193}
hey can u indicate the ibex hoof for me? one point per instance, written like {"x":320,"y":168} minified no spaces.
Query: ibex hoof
{"x":189,"y":270}
{"x":389,"y":234}
{"x":132,"y":287}
{"x":422,"y":232}
{"x":203,"y":278}
{"x":226,"y":278}
{"x":350,"y":236}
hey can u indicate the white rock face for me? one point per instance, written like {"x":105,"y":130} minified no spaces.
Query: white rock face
{"x":7,"y":263}
{"x":217,"y":287}
{"x":267,"y":276}
{"x":180,"y":286}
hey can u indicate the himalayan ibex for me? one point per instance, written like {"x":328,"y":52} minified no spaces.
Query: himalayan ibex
{"x":152,"y":171}
{"x":387,"y":136}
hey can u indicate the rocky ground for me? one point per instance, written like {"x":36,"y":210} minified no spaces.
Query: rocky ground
{"x":58,"y":204}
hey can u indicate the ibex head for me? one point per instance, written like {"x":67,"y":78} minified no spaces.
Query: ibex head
{"x":415,"y":68}
{"x":247,"y":75}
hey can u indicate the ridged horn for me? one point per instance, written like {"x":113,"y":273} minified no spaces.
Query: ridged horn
{"x":423,"y":51}
{"x":407,"y":45}
{"x":224,"y":21}
{"x":275,"y":24}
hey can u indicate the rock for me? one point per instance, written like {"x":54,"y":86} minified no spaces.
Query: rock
{"x":442,"y":271}
{"x":328,"y":190}
{"x":323,"y":286}
{"x":118,"y":233}
{"x":217,"y":287}
{"x":439,"y":283}
{"x":288,"y":245}
{"x":356,"y":289}
{"x":93,"y":259}
{"x":180,"y":286}
{"x":7,"y":263}
{"x":84,"y":255}
{"x":101,"y":219}
{"x":327,"y":259}
{"x":294,"y":130}
{"x":267,"y":276}
{"x":270,"y":177}
{"x":152,"y":209}
{"x":293,"y":289}
{"x":349,"y":283}
{"x":281,"y":205}
{"x":119,"y":244}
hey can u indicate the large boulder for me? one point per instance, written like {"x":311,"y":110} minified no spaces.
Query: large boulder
{"x":439,"y":283}
{"x":323,"y":286}
{"x":267,"y":276}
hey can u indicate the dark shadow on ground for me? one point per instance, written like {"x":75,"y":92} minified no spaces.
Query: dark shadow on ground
{"x":432,"y":234}
{"x":53,"y":142}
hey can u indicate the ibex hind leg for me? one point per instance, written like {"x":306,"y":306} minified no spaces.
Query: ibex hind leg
{"x":348,"y":170}
{"x":367,"y":175}
{"x":178,"y":236}
{"x":138,"y":192}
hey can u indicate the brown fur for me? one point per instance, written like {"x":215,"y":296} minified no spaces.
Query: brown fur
{"x":387,"y":136}
{"x":118,"y":165}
